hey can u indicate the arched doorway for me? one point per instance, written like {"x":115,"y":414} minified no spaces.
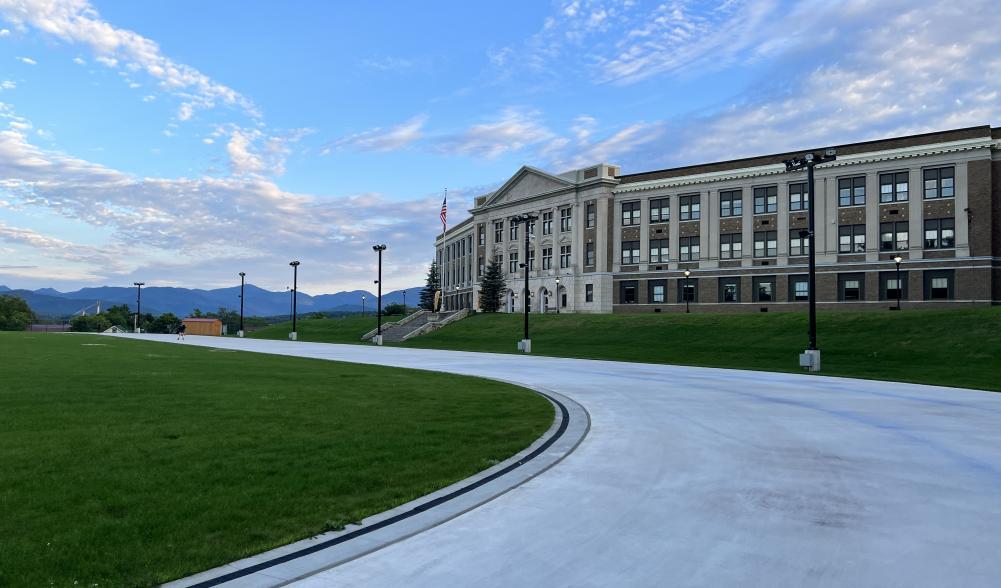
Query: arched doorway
{"x":509,"y":301}
{"x":543,"y":298}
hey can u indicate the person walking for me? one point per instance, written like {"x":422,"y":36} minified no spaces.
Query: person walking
{"x":180,"y":332}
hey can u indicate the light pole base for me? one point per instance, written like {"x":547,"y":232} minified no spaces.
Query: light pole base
{"x":810,"y":359}
{"x":239,"y":334}
{"x":377,"y":339}
{"x":293,"y":336}
{"x":525,"y":345}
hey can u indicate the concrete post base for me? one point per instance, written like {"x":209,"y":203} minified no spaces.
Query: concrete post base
{"x":239,"y":334}
{"x":377,"y":339}
{"x":525,"y":345}
{"x":810,"y":359}
{"x":293,"y":336}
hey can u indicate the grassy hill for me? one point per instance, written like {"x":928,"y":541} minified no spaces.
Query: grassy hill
{"x":959,"y":347}
{"x":342,"y":329}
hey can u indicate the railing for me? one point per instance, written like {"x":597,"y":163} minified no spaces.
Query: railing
{"x":431,"y":326}
{"x":403,"y":321}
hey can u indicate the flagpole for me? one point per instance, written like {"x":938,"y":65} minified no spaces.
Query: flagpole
{"x":441,"y":271}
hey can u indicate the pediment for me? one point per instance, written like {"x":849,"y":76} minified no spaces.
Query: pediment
{"x":528,"y":182}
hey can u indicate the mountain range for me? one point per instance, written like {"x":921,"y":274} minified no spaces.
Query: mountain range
{"x":183,"y":301}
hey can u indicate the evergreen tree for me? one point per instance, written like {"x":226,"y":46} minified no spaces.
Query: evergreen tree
{"x":492,"y":288}
{"x":427,"y":293}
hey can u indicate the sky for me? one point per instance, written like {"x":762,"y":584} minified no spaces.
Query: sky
{"x":181,"y":142}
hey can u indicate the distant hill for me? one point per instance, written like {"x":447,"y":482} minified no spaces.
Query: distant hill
{"x":183,"y":301}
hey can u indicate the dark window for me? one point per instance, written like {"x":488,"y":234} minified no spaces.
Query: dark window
{"x":690,"y":207}
{"x":851,"y":239}
{"x":940,"y":182}
{"x":630,"y":214}
{"x":851,"y":287}
{"x":657,"y":291}
{"x":564,"y":256}
{"x":547,"y":223}
{"x":565,"y":224}
{"x":514,"y":231}
{"x":799,"y":288}
{"x":940,"y":233}
{"x":498,"y":232}
{"x":939,"y":284}
{"x":729,"y":289}
{"x":592,"y":215}
{"x":888,"y":285}
{"x":766,"y":199}
{"x":531,"y":227}
{"x":799,"y":198}
{"x":627,"y":292}
{"x":482,"y":234}
{"x":658,"y":251}
{"x":547,"y":258}
{"x":660,"y":210}
{"x":730,"y":245}
{"x":630,"y":252}
{"x":588,"y":292}
{"x":689,"y":249}
{"x":766,"y":244}
{"x":851,"y":191}
{"x":799,"y":244}
{"x":893,"y":236}
{"x":893,"y":187}
{"x":589,"y":254}
{"x":512,"y":265}
{"x":688,"y":289}
{"x":481,"y":266}
{"x":531,"y":260}
{"x":731,"y":203}
{"x":764,"y":288}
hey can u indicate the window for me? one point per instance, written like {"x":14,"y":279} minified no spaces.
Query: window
{"x":512,"y":265}
{"x":592,"y":215}
{"x":940,"y":233}
{"x":731,"y":203}
{"x":547,"y":258}
{"x":630,"y":252}
{"x":766,"y":244}
{"x":851,"y":191}
{"x":689,"y":249}
{"x":531,"y":228}
{"x":799,"y":198}
{"x":766,"y":199}
{"x":660,"y":210}
{"x":627,"y":292}
{"x":588,"y":292}
{"x":893,"y":187}
{"x":657,"y":291}
{"x":658,"y":251}
{"x":481,"y":266}
{"x":630,"y":213}
{"x":564,"y":256}
{"x":688,"y":289}
{"x":799,"y":288}
{"x":729,"y":289}
{"x":851,"y":239}
{"x":547,"y":223}
{"x":730,"y":246}
{"x":799,"y":242}
{"x":481,"y":232}
{"x":690,"y":207}
{"x":764,"y":288}
{"x":888,"y":285}
{"x":565,"y":219}
{"x":893,"y":236}
{"x":939,"y":284}
{"x":499,"y":259}
{"x":498,"y":232}
{"x":513,"y":231}
{"x":851,"y":287}
{"x":940,"y":182}
{"x":589,"y":254}
{"x":531,"y":259}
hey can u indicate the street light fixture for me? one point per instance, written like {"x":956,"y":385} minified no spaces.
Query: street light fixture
{"x":526,"y":343}
{"x":139,"y":306}
{"x":811,"y":358}
{"x":558,"y":299}
{"x":242,"y":276}
{"x":378,"y":311}
{"x":295,"y":295}
{"x":688,"y":273}
{"x":363,"y":305}
{"x":900,"y":287}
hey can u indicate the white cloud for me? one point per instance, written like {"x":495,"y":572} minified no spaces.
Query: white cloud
{"x":4,"y":32}
{"x":208,"y":140}
{"x":388,"y":63}
{"x":149,"y":98}
{"x":27,"y":60}
{"x":79,"y":61}
{"x":241,"y":159}
{"x":7,"y":85}
{"x":379,"y":139}
{"x":107,"y":61}
{"x":513,"y":130}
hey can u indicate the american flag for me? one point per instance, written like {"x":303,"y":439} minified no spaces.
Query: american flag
{"x":444,"y":212}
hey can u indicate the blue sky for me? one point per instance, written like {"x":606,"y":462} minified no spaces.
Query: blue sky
{"x":182,"y":142}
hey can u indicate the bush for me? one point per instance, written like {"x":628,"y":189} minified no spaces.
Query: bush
{"x":15,"y":314}
{"x":93,"y":323}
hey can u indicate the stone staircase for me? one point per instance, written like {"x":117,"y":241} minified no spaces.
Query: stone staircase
{"x":416,"y":324}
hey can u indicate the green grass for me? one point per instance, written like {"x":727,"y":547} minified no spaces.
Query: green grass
{"x":129,"y":463}
{"x":959,"y":347}
{"x":345,"y":329}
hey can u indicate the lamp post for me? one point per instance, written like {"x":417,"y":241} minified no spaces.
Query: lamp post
{"x":404,"y":302}
{"x":684,"y":292}
{"x":139,"y":304}
{"x":295,"y":294}
{"x":900,"y":287}
{"x":378,"y":311}
{"x":458,"y":305}
{"x":559,"y":298}
{"x":363,"y":305}
{"x":811,"y":358}
{"x":526,"y":343}
{"x":242,"y":276}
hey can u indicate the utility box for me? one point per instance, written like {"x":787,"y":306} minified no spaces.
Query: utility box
{"x":810,"y":359}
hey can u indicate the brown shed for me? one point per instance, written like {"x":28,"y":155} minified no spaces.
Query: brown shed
{"x":203,"y":326}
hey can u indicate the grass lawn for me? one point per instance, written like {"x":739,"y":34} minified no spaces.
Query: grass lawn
{"x":130,"y":463}
{"x":344,"y":329}
{"x":960,"y":347}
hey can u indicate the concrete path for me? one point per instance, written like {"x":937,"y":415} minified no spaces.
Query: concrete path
{"x":707,"y":477}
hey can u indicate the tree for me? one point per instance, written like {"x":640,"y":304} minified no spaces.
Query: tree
{"x":93,"y":323}
{"x":15,"y":314}
{"x":431,"y":286}
{"x":119,"y":316}
{"x":395,"y":308}
{"x":165,"y":323}
{"x":492,"y":288}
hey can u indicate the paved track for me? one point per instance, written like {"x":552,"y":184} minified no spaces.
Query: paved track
{"x":706,"y":477}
